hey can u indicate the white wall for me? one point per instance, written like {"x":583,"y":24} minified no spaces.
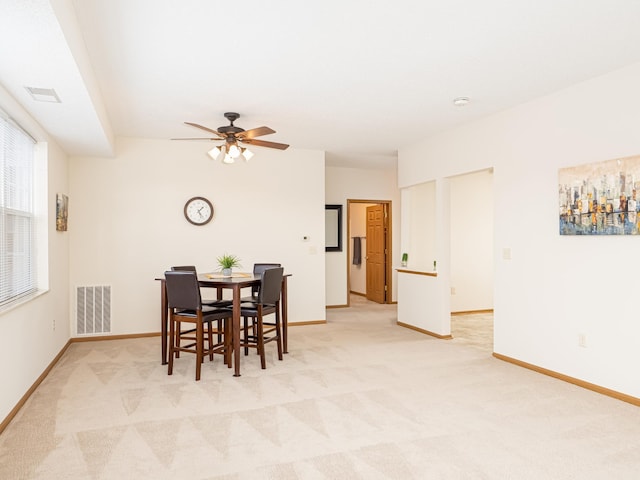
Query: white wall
{"x":419,"y":226}
{"x":415,"y":291}
{"x":554,"y":288}
{"x":30,"y":340}
{"x":358,"y":184}
{"x":127,"y":224}
{"x":472,"y":241}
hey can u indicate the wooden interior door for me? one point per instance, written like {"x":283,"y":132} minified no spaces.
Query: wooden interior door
{"x":376,"y":253}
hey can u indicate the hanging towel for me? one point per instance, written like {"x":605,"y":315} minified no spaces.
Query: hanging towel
{"x":357,"y":248}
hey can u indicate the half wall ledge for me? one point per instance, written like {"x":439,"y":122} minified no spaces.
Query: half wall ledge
{"x":417,"y":272}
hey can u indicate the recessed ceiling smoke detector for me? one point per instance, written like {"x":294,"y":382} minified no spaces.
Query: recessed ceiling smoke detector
{"x":43,"y":94}
{"x":461,"y":101}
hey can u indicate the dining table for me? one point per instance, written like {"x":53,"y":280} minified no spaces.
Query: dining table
{"x":236,"y":282}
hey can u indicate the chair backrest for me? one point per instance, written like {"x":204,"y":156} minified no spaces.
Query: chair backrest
{"x":258,"y":268}
{"x":184,"y":268}
{"x":270,"y":286}
{"x":183,"y":290}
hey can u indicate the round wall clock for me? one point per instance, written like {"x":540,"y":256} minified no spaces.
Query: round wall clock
{"x":198,"y":210}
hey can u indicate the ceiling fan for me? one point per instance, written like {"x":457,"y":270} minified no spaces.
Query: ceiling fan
{"x":233,"y":136}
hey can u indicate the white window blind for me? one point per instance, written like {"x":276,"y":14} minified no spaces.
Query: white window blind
{"x":17,"y":220}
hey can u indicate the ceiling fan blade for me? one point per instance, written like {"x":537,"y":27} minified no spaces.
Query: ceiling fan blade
{"x":206,"y":129}
{"x":199,"y":138}
{"x":264,"y":143}
{"x":256,"y":132}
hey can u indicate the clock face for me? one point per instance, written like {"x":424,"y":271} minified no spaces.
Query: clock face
{"x":198,"y":210}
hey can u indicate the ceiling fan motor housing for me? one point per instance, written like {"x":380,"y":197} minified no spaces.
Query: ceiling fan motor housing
{"x":230,"y":129}
{"x":232,"y":117}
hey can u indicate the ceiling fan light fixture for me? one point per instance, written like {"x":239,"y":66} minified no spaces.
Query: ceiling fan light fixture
{"x":233,"y":151}
{"x":214,"y":152}
{"x":228,"y":158}
{"x":247,"y":154}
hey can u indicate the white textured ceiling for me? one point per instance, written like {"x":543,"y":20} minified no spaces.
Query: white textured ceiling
{"x":358,"y":79}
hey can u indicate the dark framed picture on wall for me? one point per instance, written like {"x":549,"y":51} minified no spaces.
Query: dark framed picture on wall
{"x":333,"y":228}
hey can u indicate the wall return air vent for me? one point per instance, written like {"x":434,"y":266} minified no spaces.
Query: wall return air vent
{"x":93,"y":310}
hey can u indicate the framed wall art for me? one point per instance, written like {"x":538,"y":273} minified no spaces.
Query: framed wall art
{"x":62,"y":212}
{"x":600,"y":198}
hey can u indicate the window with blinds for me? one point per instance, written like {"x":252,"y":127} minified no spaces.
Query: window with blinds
{"x":17,"y":219}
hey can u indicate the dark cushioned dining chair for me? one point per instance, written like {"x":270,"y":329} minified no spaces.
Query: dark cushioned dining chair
{"x":258,"y":268}
{"x":192,"y":268}
{"x":267,"y":303}
{"x":185,"y":306}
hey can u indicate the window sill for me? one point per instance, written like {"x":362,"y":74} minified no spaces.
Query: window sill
{"x":21,"y":301}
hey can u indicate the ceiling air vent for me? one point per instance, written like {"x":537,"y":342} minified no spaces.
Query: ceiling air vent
{"x":43,"y":94}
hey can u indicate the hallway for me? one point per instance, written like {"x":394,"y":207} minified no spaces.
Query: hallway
{"x":474,"y":329}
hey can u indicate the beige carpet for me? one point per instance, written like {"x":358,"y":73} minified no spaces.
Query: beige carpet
{"x":358,"y":398}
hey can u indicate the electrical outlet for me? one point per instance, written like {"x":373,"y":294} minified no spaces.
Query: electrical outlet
{"x":54,"y":324}
{"x":453,"y":290}
{"x":582,"y":340}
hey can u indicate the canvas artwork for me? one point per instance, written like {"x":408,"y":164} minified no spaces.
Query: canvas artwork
{"x":62,"y":212}
{"x":600,"y":198}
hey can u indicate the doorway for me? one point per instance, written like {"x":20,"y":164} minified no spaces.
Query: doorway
{"x":369,"y":253}
{"x":471,"y":207}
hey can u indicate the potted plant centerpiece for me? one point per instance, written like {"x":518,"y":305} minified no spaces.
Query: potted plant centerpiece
{"x":227,"y":262}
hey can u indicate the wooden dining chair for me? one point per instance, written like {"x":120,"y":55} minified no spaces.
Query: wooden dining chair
{"x":210,"y":302}
{"x":267,"y":303}
{"x":185,"y":306}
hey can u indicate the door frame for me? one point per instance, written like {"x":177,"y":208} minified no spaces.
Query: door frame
{"x":388,"y":257}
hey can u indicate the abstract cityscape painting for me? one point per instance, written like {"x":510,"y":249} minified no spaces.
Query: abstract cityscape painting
{"x":600,"y":198}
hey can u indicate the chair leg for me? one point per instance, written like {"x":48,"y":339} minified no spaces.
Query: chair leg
{"x":228,"y":336}
{"x":278,"y":334}
{"x":210,"y":339}
{"x":172,"y":342}
{"x":227,"y":341}
{"x":246,"y":335}
{"x":260,"y":334}
{"x":178,"y":338}
{"x":199,"y":348}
